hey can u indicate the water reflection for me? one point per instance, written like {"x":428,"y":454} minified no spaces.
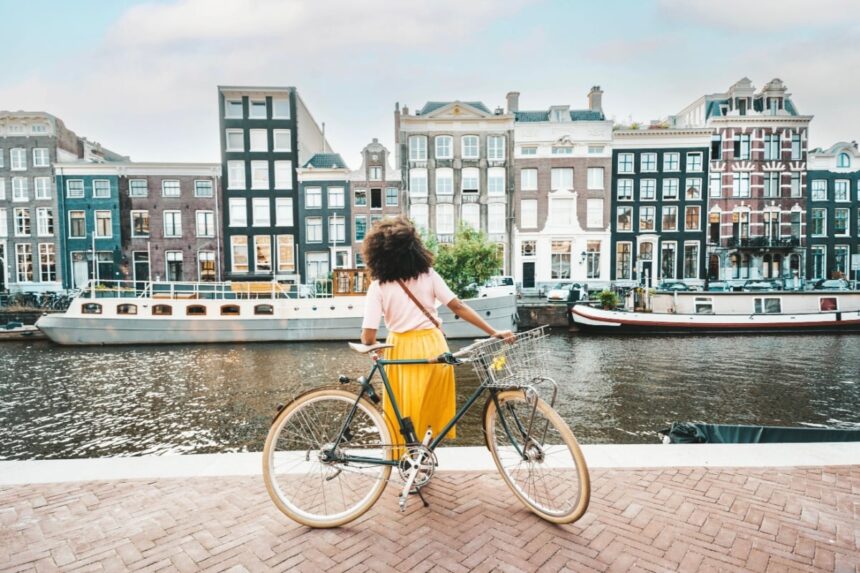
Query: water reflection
{"x":69,"y":402}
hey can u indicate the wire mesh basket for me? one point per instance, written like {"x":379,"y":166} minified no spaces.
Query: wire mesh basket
{"x":499,"y":364}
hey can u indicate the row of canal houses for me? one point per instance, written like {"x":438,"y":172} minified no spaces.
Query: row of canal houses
{"x":726,"y":189}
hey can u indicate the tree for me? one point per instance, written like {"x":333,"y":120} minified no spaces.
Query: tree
{"x":468,"y":262}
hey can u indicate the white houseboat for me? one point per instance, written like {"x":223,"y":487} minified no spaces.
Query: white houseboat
{"x":729,"y":312}
{"x":177,"y":313}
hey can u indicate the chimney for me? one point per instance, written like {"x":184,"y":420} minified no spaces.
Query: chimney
{"x":595,"y":99}
{"x":513,"y":101}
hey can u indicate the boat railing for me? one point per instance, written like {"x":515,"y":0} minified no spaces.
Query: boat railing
{"x":178,"y":290}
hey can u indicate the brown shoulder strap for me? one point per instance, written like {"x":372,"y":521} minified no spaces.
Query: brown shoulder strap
{"x":426,"y":312}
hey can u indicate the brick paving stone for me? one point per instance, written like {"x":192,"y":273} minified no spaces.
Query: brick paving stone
{"x":666,"y":519}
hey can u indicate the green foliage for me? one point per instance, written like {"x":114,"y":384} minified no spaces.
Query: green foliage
{"x":608,"y":299}
{"x":467,"y":262}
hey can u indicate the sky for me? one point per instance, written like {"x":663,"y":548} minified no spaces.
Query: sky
{"x":140,"y":77}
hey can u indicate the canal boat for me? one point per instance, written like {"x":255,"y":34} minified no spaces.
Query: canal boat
{"x":119,"y":312}
{"x":728,"y":312}
{"x":19,"y":331}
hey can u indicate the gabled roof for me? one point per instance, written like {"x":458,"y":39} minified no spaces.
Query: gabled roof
{"x":432,"y":106}
{"x":326,"y":161}
{"x":575,"y":115}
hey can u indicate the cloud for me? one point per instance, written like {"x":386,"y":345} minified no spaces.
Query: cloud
{"x":759,"y":15}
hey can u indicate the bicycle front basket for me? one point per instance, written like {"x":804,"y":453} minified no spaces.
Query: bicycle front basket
{"x":522,"y":363}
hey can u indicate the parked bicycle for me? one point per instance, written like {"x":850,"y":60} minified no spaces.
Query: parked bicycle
{"x":329,"y":453}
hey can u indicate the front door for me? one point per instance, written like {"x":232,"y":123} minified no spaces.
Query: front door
{"x":529,"y":274}
{"x":714,"y":268}
{"x":80,"y":270}
{"x":140,"y":270}
{"x":647,"y":276}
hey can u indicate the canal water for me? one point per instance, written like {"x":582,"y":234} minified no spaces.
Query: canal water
{"x":60,"y":402}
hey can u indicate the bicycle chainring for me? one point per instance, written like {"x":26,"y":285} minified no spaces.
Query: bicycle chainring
{"x":425,"y":470}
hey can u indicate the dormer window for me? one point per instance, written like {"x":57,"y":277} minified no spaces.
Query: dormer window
{"x":562,"y":150}
{"x":742,"y":106}
{"x":560,"y":113}
{"x":843,"y":160}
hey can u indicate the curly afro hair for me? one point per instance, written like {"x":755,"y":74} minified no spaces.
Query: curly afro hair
{"x":393,"y":250}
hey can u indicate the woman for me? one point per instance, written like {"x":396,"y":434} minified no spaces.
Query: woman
{"x":401,"y":266}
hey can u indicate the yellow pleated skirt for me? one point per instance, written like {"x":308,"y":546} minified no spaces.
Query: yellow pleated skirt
{"x":424,"y":393}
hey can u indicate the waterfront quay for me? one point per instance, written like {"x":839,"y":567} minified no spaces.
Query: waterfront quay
{"x":783,"y":507}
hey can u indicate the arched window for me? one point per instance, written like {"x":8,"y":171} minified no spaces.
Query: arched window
{"x":230,"y":310}
{"x":843,"y":160}
{"x":264,"y":309}
{"x":126,"y":309}
{"x":162,"y":310}
{"x":91,"y":308}
{"x":736,"y":268}
{"x":195,"y":310}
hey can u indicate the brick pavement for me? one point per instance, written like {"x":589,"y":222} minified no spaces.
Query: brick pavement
{"x":687,"y":519}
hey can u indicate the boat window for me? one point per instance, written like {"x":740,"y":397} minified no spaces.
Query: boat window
{"x":162,"y":310}
{"x":126,"y":309}
{"x":828,"y":303}
{"x":704,"y":305}
{"x":195,"y":310}
{"x":768,"y":306}
{"x":230,"y":310}
{"x":91,"y":308}
{"x":264,"y":309}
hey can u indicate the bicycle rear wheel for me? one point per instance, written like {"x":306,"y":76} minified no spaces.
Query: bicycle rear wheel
{"x":299,"y":476}
{"x":538,"y":456}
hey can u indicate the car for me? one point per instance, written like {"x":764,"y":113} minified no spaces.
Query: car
{"x":758,"y":285}
{"x":561,"y":291}
{"x":719,"y":286}
{"x":497,"y":286}
{"x":832,"y":284}
{"x":674,"y":286}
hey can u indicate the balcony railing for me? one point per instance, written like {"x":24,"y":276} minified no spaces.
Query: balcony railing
{"x":763,"y":242}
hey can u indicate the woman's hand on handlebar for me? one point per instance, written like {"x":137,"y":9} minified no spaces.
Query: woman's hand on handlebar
{"x":506,"y":335}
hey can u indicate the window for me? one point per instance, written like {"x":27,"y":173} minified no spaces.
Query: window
{"x":282,"y":139}
{"x":562,"y":150}
{"x":592,"y":260}
{"x":594,"y":213}
{"x":496,"y":181}
{"x":742,"y":146}
{"x":259,"y":175}
{"x":2,"y":189}
{"x":624,"y":219}
{"x":560,"y":260}
{"x":91,"y":308}
{"x":444,"y":219}
{"x":771,"y":184}
{"x":670,"y":218}
{"x":101,"y":189}
{"x":671,"y":161}
{"x":137,"y":188}
{"x":694,"y":188}
{"x":173,"y":265}
{"x":841,"y":190}
{"x":646,"y":218}
{"x":819,"y":190}
{"x":530,"y":150}
{"x":715,"y":185}
{"x":257,"y":109}
{"x":42,"y":186}
{"x":819,"y":257}
{"x":691,"y":260}
{"x":419,"y":214}
{"x":238,"y":211}
{"x":418,"y":182}
{"x":417,"y":148}
{"x":741,"y":184}
{"x":360,"y":223}
{"x":648,"y":162}
{"x":22,"y":222}
{"x":391,"y":197}
{"x":714,"y":228}
{"x":496,"y":147}
{"x":286,"y":254}
{"x":233,"y":108}
{"x":595,"y":178}
{"x":767,"y":305}
{"x":40,"y":157}
{"x":172,"y":223}
{"x":562,"y":212}
{"x":704,"y":305}
{"x":795,"y":224}
{"x":470,"y":215}
{"x":375,"y":199}
{"x":528,"y":248}
{"x":694,"y":161}
{"x":205,"y":224}
{"x":528,"y":213}
{"x":795,"y":184}
{"x":239,"y":253}
{"x":195,"y":310}
{"x":126,"y":309}
{"x":843,"y":160}
{"x":796,"y":148}
{"x":819,"y":222}
{"x":313,"y":229}
{"x":280,"y":108}
{"x":283,"y":211}
{"x":561,"y":178}
{"x":496,"y":218}
{"x":203,"y":188}
{"x":444,"y":147}
{"x":691,"y":217}
{"x":375,"y":173}
{"x":471,"y":147}
{"x":528,"y":179}
{"x":623,"y":260}
{"x":103,"y":224}
{"x":262,"y":255}
{"x":444,"y":181}
{"x":283,"y":174}
{"x":470,"y":180}
{"x":670,"y":189}
{"x":595,"y":149}
{"x":668,"y":259}
{"x":313,"y":197}
{"x":260,"y":212}
{"x":741,"y":224}
{"x":162,"y":310}
{"x":74,"y":188}
{"x":625,"y":163}
{"x":360,"y":198}
{"x":18,"y":159}
{"x":264,"y":309}
{"x":235,"y":174}
{"x":259,"y":139}
{"x":139,"y":224}
{"x":20,"y":192}
{"x":335,"y":198}
{"x":4,"y":231}
{"x":45,"y":222}
{"x":77,"y":225}
{"x":840,"y":221}
{"x":337,"y":229}
{"x":840,"y":258}
{"x":625,"y":189}
{"x":24,"y":262}
{"x":235,"y":139}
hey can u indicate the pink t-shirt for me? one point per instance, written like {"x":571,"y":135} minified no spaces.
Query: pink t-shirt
{"x":401,"y":314}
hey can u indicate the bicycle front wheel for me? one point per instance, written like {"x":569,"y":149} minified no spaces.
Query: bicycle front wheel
{"x":303,"y":469}
{"x":538,"y":456}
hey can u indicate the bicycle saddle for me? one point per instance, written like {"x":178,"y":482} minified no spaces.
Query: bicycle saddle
{"x":365,"y":348}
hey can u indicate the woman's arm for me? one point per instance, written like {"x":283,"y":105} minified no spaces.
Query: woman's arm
{"x":368,"y":336}
{"x":465,"y":312}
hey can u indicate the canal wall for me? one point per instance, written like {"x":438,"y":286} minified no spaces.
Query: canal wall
{"x":534,"y":314}
{"x":26,"y":316}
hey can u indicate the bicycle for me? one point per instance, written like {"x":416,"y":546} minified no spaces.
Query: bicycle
{"x":329,"y":454}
